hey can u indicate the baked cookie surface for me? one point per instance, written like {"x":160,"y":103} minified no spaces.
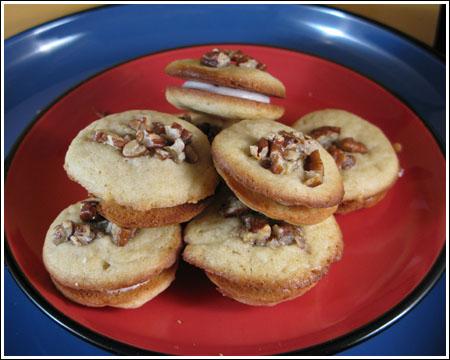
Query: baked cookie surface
{"x":373,"y":171}
{"x":102,"y":265}
{"x":255,"y":274}
{"x":225,"y":83}
{"x":232,"y":157}
{"x":221,"y":105}
{"x":141,"y":182}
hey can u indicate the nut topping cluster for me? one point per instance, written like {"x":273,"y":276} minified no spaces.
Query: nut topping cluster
{"x":153,"y":139}
{"x":219,"y":58}
{"x":340,"y":149}
{"x":285,"y":152}
{"x":92,"y":226}
{"x":259,"y":230}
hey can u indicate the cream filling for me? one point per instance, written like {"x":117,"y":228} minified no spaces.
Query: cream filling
{"x":222,"y":90}
{"x":129,"y":288}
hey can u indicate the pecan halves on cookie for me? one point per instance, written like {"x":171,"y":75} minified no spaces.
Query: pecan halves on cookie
{"x":351,"y":145}
{"x":343,"y":161}
{"x":313,"y":167}
{"x":326,"y":135}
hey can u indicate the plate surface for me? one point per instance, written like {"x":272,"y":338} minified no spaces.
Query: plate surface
{"x":389,"y":249}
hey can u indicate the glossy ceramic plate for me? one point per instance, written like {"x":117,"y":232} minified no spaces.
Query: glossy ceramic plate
{"x":389,"y":249}
{"x":42,"y":64}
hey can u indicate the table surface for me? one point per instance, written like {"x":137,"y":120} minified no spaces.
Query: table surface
{"x":46,"y":337}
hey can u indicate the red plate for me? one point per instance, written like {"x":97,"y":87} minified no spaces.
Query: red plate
{"x":389,"y":249}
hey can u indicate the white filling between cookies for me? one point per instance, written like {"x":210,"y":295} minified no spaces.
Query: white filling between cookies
{"x":222,"y":90}
{"x":129,"y":288}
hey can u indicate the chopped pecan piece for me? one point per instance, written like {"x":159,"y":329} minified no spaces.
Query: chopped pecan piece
{"x":158,"y":127}
{"x":62,"y":232}
{"x":186,"y":136}
{"x":258,"y":237}
{"x":351,"y":145}
{"x":337,"y":154}
{"x":276,"y":162}
{"x":89,"y":211}
{"x":349,"y":161}
{"x":397,"y":147}
{"x":153,"y":140}
{"x":106,"y":137}
{"x":133,"y":149}
{"x":215,"y":58}
{"x":313,"y":167}
{"x":176,"y":151}
{"x":343,"y":161}
{"x":191,"y":155}
{"x":162,"y":154}
{"x":83,"y":235}
{"x":249,"y":63}
{"x":120,"y":236}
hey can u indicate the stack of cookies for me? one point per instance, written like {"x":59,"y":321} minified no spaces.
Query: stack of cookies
{"x":147,"y":172}
{"x":223,"y":87}
{"x":274,"y":236}
{"x":268,"y":235}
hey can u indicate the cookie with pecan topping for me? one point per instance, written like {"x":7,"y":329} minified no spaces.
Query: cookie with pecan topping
{"x":96,"y":263}
{"x":278,"y":172}
{"x":148,"y":168}
{"x":225,"y":83}
{"x":256,"y":260}
{"x":366,"y":158}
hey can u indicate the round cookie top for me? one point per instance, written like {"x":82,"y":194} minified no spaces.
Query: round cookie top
{"x":373,"y":171}
{"x":230,"y":76}
{"x":103,"y":265}
{"x":146,"y":181}
{"x":214,"y":243}
{"x":232,"y":154}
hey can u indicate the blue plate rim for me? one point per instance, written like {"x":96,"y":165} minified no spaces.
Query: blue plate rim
{"x":329,"y":347}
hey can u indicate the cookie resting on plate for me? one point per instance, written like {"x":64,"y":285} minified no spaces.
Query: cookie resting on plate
{"x":96,"y":263}
{"x":366,"y":159}
{"x":278,"y":171}
{"x":149,"y":169}
{"x":256,"y":260}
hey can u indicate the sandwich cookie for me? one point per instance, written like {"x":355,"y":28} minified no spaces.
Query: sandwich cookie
{"x":277,"y":171}
{"x":149,"y":169}
{"x":225,"y":83}
{"x":96,"y":263}
{"x":367,"y":161}
{"x":256,"y":260}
